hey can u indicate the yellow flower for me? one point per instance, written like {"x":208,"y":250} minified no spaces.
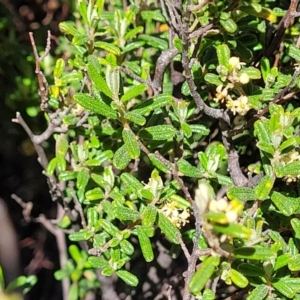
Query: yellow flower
{"x":239,"y":106}
{"x":178,"y":216}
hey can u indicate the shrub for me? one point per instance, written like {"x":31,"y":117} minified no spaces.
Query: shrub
{"x":180,"y":119}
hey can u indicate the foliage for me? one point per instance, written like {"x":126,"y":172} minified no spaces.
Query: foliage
{"x":21,"y":284}
{"x":133,"y":160}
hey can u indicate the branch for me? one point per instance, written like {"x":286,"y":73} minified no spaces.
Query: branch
{"x":57,"y":232}
{"x":209,"y":111}
{"x":162,"y":62}
{"x":235,"y":171}
{"x":43,"y":84}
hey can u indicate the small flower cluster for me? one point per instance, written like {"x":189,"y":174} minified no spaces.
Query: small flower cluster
{"x":230,"y":209}
{"x":177,"y":215}
{"x":239,"y":106}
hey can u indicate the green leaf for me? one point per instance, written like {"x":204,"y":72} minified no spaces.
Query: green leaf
{"x":154,"y":103}
{"x":97,"y":79}
{"x":177,"y":42}
{"x":213,"y":79}
{"x":145,"y":244}
{"x":286,"y":205}
{"x":127,"y":247}
{"x":291,"y":142}
{"x":187,"y":169}
{"x":98,"y":262}
{"x":292,"y":169}
{"x":68,"y":28}
{"x":128,"y":277}
{"x":109,"y":47}
{"x":154,"y":41}
{"x":296,"y":227}
{"x":81,"y":235}
{"x":133,"y":32}
{"x":83,"y":178}
{"x":294,"y":52}
{"x":262,"y":131}
{"x":229,"y":25}
{"x":264,"y":187}
{"x":241,"y":194}
{"x":73,"y":291}
{"x":109,"y":227}
{"x":250,"y":270}
{"x":289,"y":287}
{"x":133,"y":92}
{"x":108,"y":271}
{"x":254,"y":253}
{"x":203,"y":274}
{"x":131,"y":143}
{"x":112,"y":77}
{"x":126,"y":214}
{"x":223,"y":54}
{"x":157,"y":163}
{"x":294,"y":263}
{"x":259,"y":11}
{"x":132,"y":46}
{"x":67,"y":175}
{"x":131,"y":182}
{"x":282,"y":260}
{"x":95,"y":105}
{"x":217,"y":217}
{"x":59,"y":68}
{"x":265,"y":68}
{"x":234,"y":230}
{"x":135,"y":118}
{"x":158,"y":133}
{"x":94,"y":194}
{"x":168,"y":228}
{"x":92,"y":216}
{"x":121,"y":158}
{"x":51,"y":166}
{"x":252,"y":72}
{"x":80,"y":39}
{"x":266,"y":147}
{"x":149,"y":215}
{"x":238,"y":279}
{"x":186,"y":129}
{"x":198,"y":128}
{"x":260,"y":292}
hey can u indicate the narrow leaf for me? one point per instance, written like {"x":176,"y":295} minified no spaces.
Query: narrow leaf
{"x":203,"y":274}
{"x":134,"y":92}
{"x":95,"y":105}
{"x":98,"y":80}
{"x":131,"y":143}
{"x":128,"y":277}
{"x":260,"y":292}
{"x":168,"y":228}
{"x":121,"y":158}
{"x":126,"y":214}
{"x":188,"y":170}
{"x":135,"y":118}
{"x":145,"y":244}
{"x":264,"y":187}
{"x":149,"y":216}
{"x":241,"y":193}
{"x":254,"y":253}
{"x":158,"y":133}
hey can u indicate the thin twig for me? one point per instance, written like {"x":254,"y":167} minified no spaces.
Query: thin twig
{"x":57,"y":232}
{"x":183,"y":247}
{"x":43,"y":85}
{"x":162,"y":62}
